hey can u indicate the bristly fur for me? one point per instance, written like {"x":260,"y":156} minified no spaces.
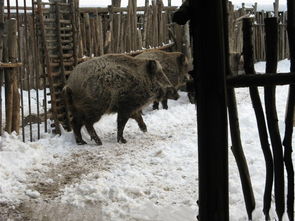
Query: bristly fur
{"x":175,"y":67}
{"x":112,"y":83}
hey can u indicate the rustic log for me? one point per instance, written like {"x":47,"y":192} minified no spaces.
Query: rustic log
{"x":237,"y":147}
{"x":102,"y":10}
{"x":1,"y":56}
{"x":208,"y":35}
{"x":149,"y":41}
{"x":139,"y":39}
{"x":160,"y":22}
{"x":271,"y":29}
{"x":12,"y":104}
{"x":73,"y":8}
{"x":259,"y":80}
{"x":289,"y":120}
{"x":116,"y":31}
{"x":145,"y":24}
{"x":258,"y":109}
{"x":35,"y":67}
{"x":100,"y":34}
{"x":155,"y":24}
{"x":134,"y":25}
{"x":122,"y":41}
{"x":88,"y":34}
{"x":11,"y":65}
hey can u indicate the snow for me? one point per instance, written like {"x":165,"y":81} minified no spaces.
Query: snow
{"x":154,"y":176}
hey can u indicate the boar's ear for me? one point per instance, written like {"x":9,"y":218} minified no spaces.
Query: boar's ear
{"x":181,"y":59}
{"x":153,"y":67}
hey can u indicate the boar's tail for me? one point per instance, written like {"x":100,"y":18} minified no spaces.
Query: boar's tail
{"x":67,"y":95}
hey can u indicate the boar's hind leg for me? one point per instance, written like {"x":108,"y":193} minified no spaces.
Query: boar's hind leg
{"x":92,"y":133}
{"x":121,"y":121}
{"x":164,"y":104}
{"x":156,"y":105}
{"x":137,"y":116}
{"x":77,"y":125}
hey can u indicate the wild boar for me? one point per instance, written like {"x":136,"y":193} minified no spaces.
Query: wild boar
{"x":114,"y":83}
{"x":175,"y":66}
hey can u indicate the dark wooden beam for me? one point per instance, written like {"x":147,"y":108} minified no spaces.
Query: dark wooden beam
{"x":289,"y":120}
{"x":271,"y":51}
{"x":256,"y":80}
{"x":208,"y":35}
{"x":248,"y":52}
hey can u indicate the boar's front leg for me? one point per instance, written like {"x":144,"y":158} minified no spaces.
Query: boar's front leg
{"x":138,"y":118}
{"x":92,"y":133}
{"x":164,"y":103}
{"x":77,"y":125}
{"x":121,"y":121}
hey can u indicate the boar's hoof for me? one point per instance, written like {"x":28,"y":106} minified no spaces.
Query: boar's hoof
{"x":143,"y":128}
{"x":122,"y":140}
{"x":165,"y":106}
{"x":96,"y":140}
{"x":156,"y":106}
{"x":80,"y":142}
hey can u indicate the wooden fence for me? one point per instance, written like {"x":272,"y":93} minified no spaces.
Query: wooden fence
{"x":97,"y":31}
{"x":236,"y":33}
{"x":91,"y":32}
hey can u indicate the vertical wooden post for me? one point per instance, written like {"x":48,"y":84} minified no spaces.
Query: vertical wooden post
{"x":160,"y":22}
{"x":289,"y":120}
{"x":134,"y":25}
{"x":261,"y":124}
{"x":100,"y":34}
{"x":116,"y":27}
{"x":11,"y":81}
{"x":271,"y":42}
{"x":1,"y":56}
{"x":88,"y":34}
{"x":276,"y":8}
{"x":154,"y":24}
{"x":186,"y":48}
{"x":145,"y":24}
{"x":208,"y":35}
{"x":237,"y":147}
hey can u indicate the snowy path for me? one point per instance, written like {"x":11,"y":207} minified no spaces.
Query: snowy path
{"x":152,"y":167}
{"x":151,"y":178}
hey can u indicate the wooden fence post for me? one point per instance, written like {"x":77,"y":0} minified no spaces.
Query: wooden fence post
{"x":12,"y":98}
{"x":1,"y":56}
{"x":208,"y":35}
{"x":271,"y":42}
{"x":289,"y":120}
{"x":261,"y":124}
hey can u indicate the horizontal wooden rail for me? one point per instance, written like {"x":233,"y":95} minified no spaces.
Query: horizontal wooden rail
{"x":133,"y":53}
{"x":10,"y":65}
{"x":99,"y":9}
{"x":257,"y":80}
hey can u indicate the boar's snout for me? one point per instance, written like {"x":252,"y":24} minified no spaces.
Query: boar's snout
{"x":172,"y":93}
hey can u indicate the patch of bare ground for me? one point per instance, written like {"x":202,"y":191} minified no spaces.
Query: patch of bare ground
{"x":49,"y":185}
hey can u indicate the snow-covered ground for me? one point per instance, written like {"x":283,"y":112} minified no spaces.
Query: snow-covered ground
{"x":154,"y":177}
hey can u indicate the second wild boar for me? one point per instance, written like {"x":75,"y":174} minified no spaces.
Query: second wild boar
{"x":175,"y":66}
{"x":114,"y":83}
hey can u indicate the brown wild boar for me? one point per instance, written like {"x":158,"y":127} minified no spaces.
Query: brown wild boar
{"x":174,"y":65}
{"x":114,"y":83}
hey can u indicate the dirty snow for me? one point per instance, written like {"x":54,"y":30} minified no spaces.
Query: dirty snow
{"x":154,"y":177}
